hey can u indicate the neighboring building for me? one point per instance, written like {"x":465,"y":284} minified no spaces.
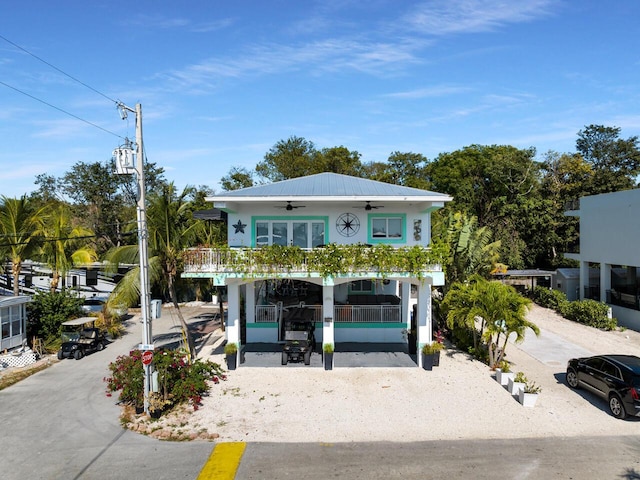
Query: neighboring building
{"x":609,"y":229}
{"x":313,"y":212}
{"x":13,"y":321}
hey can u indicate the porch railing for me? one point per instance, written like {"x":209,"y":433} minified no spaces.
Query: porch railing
{"x":341,"y":313}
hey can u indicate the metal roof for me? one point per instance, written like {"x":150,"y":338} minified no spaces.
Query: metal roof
{"x":330,"y":186}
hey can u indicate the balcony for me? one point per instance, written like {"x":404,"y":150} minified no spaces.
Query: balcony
{"x":330,"y":260}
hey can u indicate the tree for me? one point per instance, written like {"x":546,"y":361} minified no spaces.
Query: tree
{"x":615,"y":161}
{"x":298,"y":157}
{"x":491,"y":183}
{"x":498,"y":309}
{"x":237,"y":178}
{"x":63,"y":244}
{"x":19,"y":222}
{"x":471,"y":249}
{"x":171,"y":230}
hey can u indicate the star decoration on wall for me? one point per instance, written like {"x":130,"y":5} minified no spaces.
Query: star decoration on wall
{"x":240,"y":227}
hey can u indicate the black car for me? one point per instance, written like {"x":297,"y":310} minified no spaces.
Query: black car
{"x":616,"y":378}
{"x":299,"y":342}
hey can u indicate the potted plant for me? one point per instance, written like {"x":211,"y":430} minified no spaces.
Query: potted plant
{"x":327,"y":350}
{"x":504,"y":373}
{"x":231,"y":351}
{"x":529,"y":394}
{"x":157,"y":404}
{"x":429,"y":353}
{"x":515,"y":384}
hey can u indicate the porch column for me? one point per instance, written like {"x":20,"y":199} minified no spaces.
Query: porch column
{"x":251,"y":303}
{"x":327,"y":315}
{"x":406,"y":298}
{"x":232,"y":329}
{"x":424,"y":318}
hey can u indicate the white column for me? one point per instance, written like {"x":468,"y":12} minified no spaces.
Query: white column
{"x":424,"y":318}
{"x":233,"y":315}
{"x":406,"y":298}
{"x":327,"y":315}
{"x":251,"y":303}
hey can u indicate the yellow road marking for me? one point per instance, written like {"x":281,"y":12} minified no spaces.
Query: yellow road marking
{"x":223,"y":462}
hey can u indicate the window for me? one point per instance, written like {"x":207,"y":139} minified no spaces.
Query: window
{"x":301,"y":232}
{"x":361,"y":286}
{"x":387,"y":228}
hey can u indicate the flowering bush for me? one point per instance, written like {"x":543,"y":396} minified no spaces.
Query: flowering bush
{"x":178,"y":381}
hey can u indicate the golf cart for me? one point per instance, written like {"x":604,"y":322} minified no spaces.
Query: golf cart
{"x":79,"y":337}
{"x":299,"y":342}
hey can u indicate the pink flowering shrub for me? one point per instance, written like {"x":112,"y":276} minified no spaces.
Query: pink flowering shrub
{"x":178,"y":381}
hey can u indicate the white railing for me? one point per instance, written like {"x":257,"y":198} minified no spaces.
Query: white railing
{"x":342,"y":313}
{"x":367,"y":313}
{"x":247,"y":261}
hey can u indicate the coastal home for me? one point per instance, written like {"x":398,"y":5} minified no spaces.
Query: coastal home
{"x":350,"y":254}
{"x":608,"y":229}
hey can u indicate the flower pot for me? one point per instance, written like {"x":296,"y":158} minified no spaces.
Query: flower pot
{"x":427,"y":361}
{"x":514,"y":386}
{"x":436,"y":359}
{"x":527,"y":399}
{"x":232,"y":361}
{"x":503,"y":377}
{"x":328,"y":361}
{"x":156,"y":413}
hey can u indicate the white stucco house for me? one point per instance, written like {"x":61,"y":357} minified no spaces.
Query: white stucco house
{"x":324,"y":214}
{"x":609,"y":228}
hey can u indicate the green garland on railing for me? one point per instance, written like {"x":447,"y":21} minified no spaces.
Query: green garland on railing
{"x":332,"y":260}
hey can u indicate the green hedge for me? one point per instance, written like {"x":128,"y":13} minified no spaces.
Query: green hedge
{"x":587,"y":312}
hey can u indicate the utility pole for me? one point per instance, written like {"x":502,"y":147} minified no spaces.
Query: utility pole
{"x":124,"y":165}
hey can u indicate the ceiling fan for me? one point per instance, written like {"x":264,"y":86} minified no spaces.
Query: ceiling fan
{"x":368,"y":206}
{"x":290,"y":207}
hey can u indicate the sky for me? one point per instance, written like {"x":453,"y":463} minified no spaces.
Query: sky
{"x":222,"y":82}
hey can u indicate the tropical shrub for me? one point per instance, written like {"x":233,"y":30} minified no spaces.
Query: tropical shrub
{"x":178,"y":381}
{"x":47,"y":311}
{"x":591,"y":313}
{"x":549,"y":298}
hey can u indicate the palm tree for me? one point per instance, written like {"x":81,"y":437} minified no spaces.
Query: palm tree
{"x":171,"y":230}
{"x":498,"y":309}
{"x":19,"y":222}
{"x":63,"y":244}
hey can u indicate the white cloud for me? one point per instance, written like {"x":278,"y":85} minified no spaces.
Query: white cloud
{"x":433,"y":91}
{"x":442,"y":17}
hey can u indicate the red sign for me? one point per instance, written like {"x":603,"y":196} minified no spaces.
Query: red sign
{"x":147,"y":357}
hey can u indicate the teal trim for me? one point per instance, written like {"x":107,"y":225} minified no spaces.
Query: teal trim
{"x":403,"y":219}
{"x":262,"y":325}
{"x":269,"y":218}
{"x":369,"y":325}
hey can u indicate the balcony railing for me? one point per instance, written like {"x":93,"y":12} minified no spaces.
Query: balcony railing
{"x":325,"y":261}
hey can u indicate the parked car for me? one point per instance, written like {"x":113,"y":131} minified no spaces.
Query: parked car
{"x":616,"y":378}
{"x":93,"y":305}
{"x":79,"y":337}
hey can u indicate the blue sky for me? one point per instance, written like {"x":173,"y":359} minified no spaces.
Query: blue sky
{"x":221,"y":82}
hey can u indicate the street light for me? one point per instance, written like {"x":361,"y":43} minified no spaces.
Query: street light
{"x":125,"y":166}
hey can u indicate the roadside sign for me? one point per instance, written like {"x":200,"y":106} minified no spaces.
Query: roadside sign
{"x":147,"y":357}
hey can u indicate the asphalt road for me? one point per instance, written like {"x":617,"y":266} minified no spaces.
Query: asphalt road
{"x":59,"y":424}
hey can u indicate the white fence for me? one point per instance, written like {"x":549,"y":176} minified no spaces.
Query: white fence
{"x":341,"y":313}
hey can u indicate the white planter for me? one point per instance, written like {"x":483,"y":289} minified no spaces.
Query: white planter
{"x":503,"y":377}
{"x":514,"y":387}
{"x":527,"y":399}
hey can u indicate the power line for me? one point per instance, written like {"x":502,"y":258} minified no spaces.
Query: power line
{"x":57,"y":69}
{"x":60,"y":109}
